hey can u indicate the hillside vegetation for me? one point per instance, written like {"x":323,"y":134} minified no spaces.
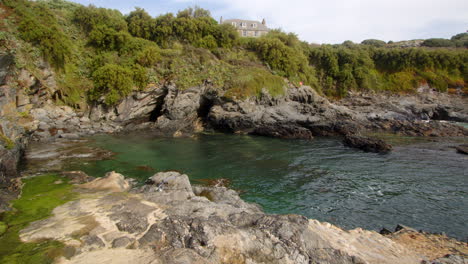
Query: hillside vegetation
{"x":102,"y":55}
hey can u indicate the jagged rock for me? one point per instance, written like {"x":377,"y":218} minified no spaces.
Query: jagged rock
{"x":301,"y":113}
{"x":141,"y":105}
{"x":114,"y":182}
{"x":367,"y":144}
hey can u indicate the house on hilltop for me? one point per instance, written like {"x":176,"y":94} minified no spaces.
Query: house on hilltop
{"x":247,"y":28}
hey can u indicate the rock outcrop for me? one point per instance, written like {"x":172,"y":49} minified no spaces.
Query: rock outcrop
{"x":169,"y":221}
{"x":302,"y":113}
{"x":367,"y":144}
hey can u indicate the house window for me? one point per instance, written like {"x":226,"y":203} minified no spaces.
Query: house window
{"x":256,"y":33}
{"x":244,"y":33}
{"x":254,"y":25}
{"x":234,"y":24}
{"x":243,"y":24}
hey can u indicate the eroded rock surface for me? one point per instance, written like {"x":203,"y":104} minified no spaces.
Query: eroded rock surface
{"x":169,"y":221}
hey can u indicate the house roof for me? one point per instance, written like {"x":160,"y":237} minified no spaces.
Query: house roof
{"x":260,"y":26}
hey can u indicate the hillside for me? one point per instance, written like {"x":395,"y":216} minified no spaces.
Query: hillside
{"x":101,"y":55}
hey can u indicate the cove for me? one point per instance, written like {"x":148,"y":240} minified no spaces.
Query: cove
{"x":420,"y":184}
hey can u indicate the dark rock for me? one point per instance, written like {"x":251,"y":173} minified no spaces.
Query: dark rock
{"x":463,"y":149}
{"x":400,"y":227}
{"x":385,"y":231}
{"x":6,"y":60}
{"x":283,"y":131}
{"x":367,"y":144}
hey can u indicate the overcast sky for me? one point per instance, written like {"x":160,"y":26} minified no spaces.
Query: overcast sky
{"x":328,"y":21}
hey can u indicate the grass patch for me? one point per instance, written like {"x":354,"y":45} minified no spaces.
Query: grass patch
{"x":40,"y":195}
{"x":251,"y":81}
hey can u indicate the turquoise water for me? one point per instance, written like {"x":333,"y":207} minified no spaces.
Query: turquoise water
{"x":424,"y":186}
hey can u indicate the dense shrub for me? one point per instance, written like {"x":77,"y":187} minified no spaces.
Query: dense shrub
{"x":113,"y":82}
{"x":460,"y":40}
{"x":374,"y":42}
{"x":285,"y":60}
{"x":437,"y":42}
{"x":38,"y":25}
{"x":140,"y":23}
{"x":104,"y":37}
{"x":90,"y":17}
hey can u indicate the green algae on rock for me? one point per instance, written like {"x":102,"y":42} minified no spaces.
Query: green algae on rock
{"x":40,"y":195}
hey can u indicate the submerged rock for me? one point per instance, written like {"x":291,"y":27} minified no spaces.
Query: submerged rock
{"x":463,"y":149}
{"x":367,"y":144}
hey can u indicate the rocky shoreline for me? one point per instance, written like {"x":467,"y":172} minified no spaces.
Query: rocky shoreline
{"x":168,"y":220}
{"x":225,"y":229}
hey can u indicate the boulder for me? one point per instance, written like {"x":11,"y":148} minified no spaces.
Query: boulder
{"x":367,"y":144}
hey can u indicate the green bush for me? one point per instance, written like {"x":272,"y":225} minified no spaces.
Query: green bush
{"x":437,"y":42}
{"x":140,"y":23}
{"x":140,"y":76}
{"x":104,"y":37}
{"x":90,"y":17}
{"x":149,"y":56}
{"x":113,"y":82}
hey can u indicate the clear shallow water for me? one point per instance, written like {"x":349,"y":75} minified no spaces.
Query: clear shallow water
{"x":424,"y":186}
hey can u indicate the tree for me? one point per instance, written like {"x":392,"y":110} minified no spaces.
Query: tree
{"x":194,"y":12}
{"x":163,"y":29}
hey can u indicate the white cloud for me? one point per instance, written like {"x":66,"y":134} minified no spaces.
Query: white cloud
{"x":333,"y":21}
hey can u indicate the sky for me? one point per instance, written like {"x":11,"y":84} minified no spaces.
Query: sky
{"x":327,"y":21}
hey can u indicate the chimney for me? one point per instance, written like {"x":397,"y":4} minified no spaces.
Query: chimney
{"x":221,"y":20}
{"x":264,"y":22}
